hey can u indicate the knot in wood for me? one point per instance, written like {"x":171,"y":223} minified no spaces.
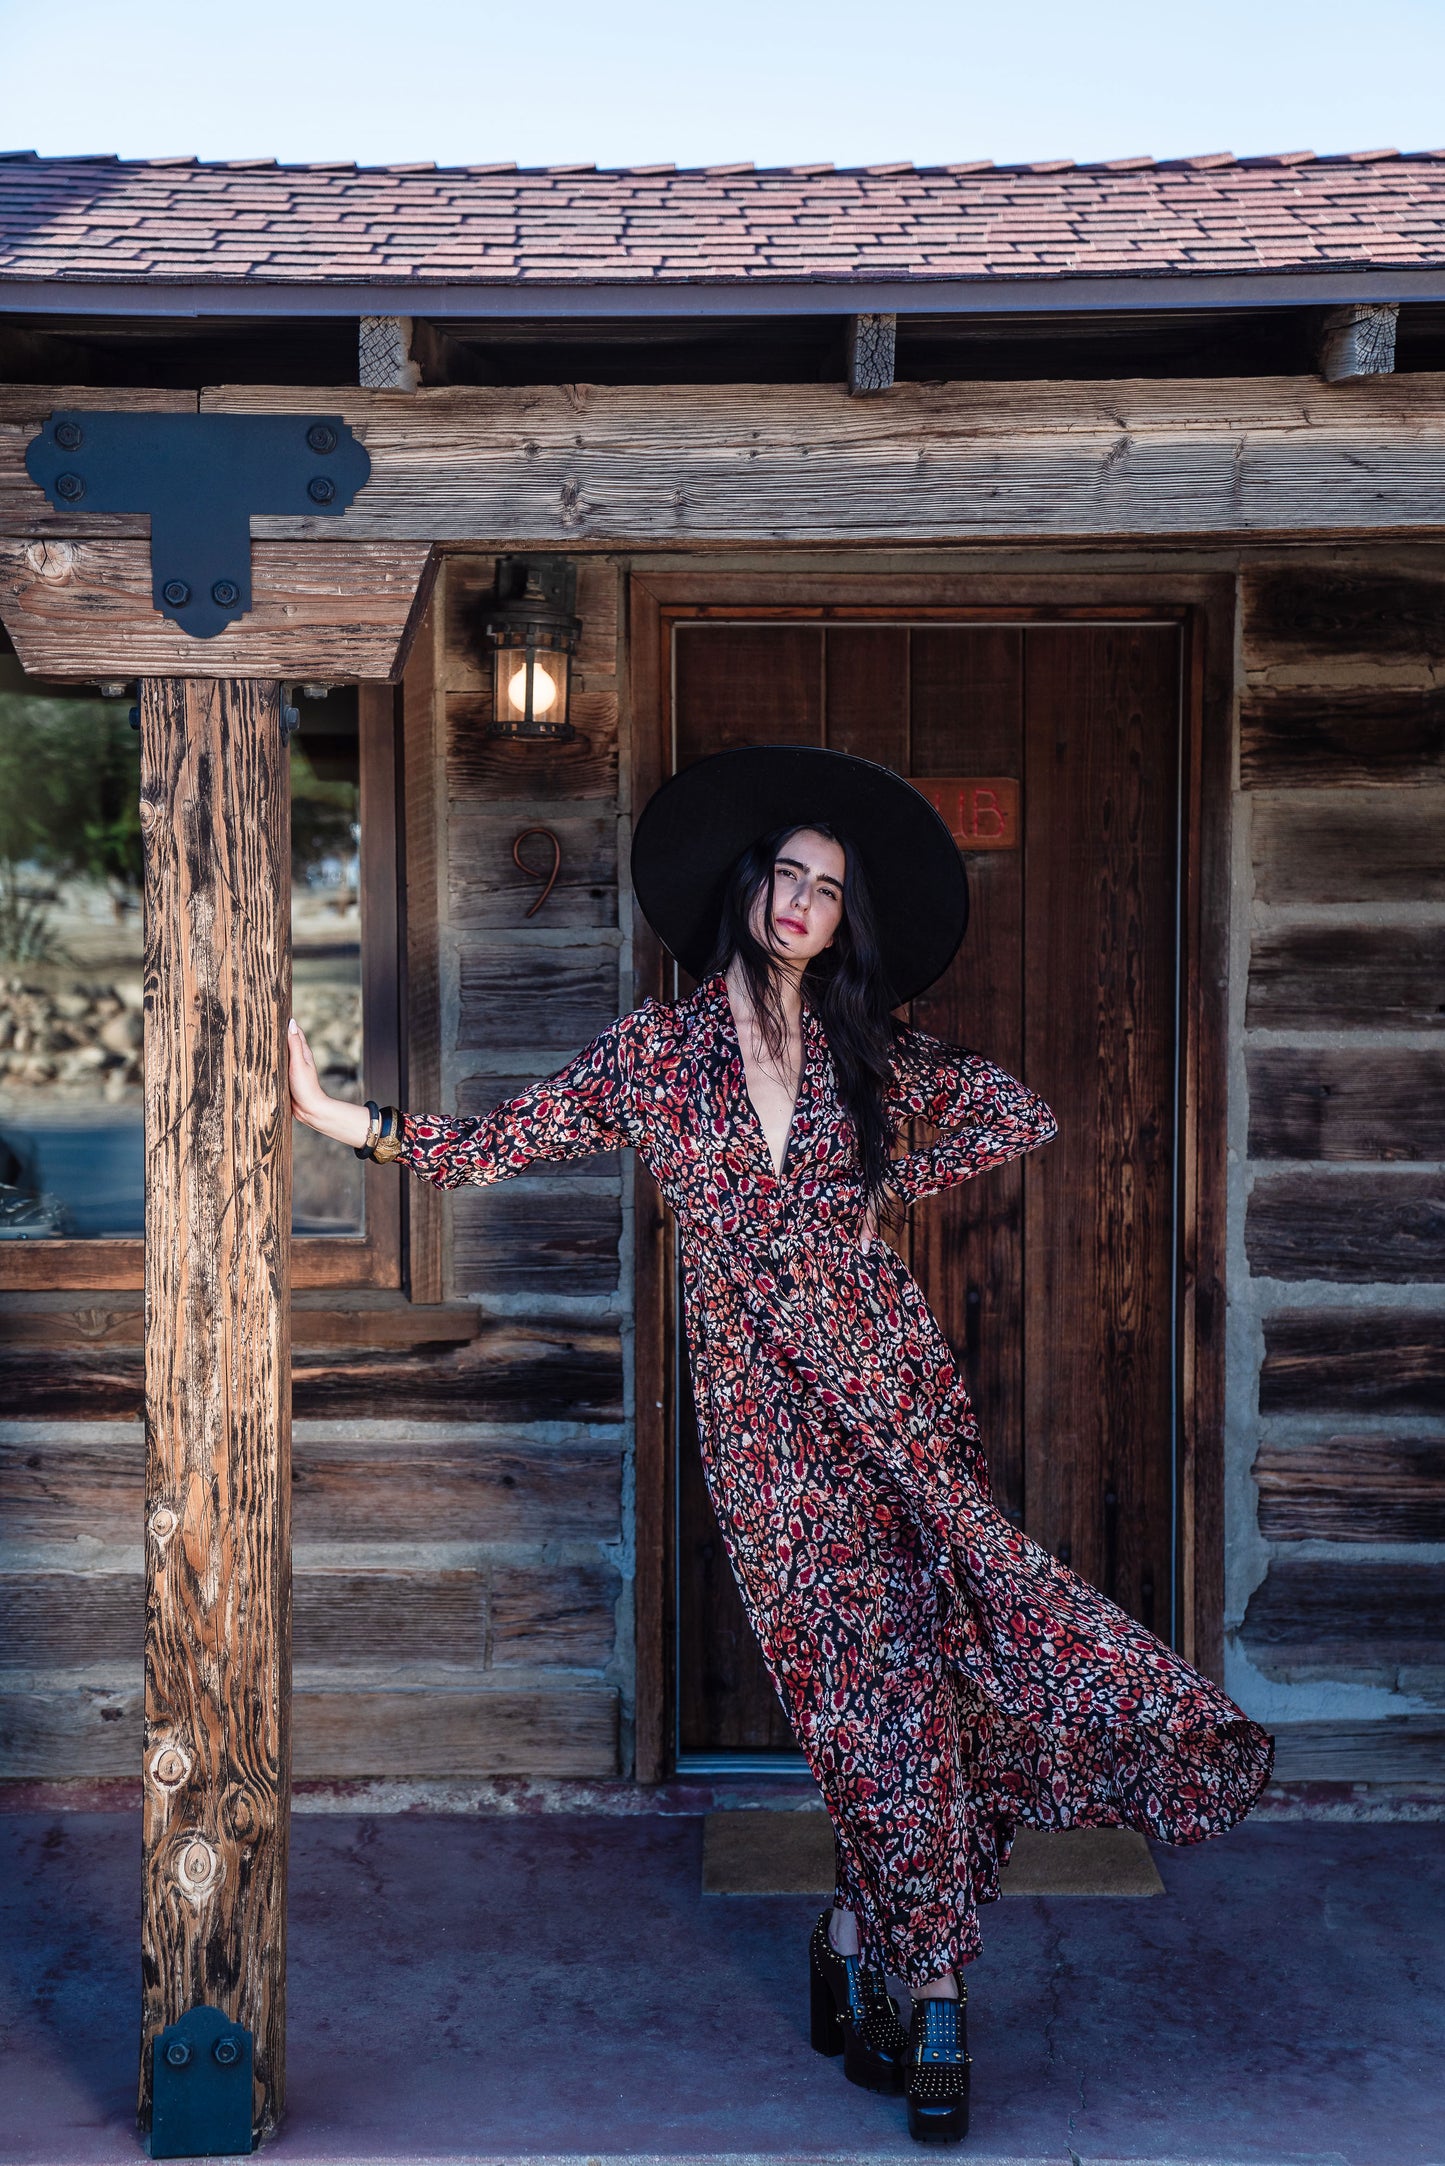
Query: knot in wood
{"x":170,"y":1766}
{"x":163,"y":1523}
{"x":198,"y":1866}
{"x":53,"y":561}
{"x":239,"y":1818}
{"x":149,"y":815}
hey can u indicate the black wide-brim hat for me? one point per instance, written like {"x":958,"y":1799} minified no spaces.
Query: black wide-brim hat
{"x":692,"y":831}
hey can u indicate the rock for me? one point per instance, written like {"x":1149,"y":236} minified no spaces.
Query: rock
{"x":123,"y":1033}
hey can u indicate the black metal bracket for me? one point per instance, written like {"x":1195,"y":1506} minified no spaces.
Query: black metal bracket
{"x":201,"y":2087}
{"x":201,"y":477}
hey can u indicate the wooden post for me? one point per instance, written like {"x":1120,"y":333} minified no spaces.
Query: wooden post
{"x":215,"y":811}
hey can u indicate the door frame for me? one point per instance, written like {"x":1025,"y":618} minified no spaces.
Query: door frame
{"x":1204,"y":606}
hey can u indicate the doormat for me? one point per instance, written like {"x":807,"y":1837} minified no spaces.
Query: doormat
{"x":791,"y":1853}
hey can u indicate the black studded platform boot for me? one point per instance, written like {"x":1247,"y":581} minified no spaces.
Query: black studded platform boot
{"x":938,"y":2064}
{"x":853,"y":2014}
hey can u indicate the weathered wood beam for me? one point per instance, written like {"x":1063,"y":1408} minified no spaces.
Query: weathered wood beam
{"x":1358,"y":341}
{"x":872,"y":349}
{"x":341,"y":612}
{"x":216,"y":824}
{"x":1359,"y":1361}
{"x":623,"y":465}
{"x":806,"y":462}
{"x":1352,"y":1488}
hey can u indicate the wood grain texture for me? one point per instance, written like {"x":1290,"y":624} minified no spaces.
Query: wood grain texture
{"x":460,"y":1489}
{"x":746,"y":684}
{"x":1346,"y":1614}
{"x":378,"y":726}
{"x":489,"y":893}
{"x":421,"y":695}
{"x":64,"y":1731}
{"x":1340,"y":739}
{"x":341,"y":1619}
{"x":967,"y":717}
{"x":655,"y":1348}
{"x":498,"y":768}
{"x":1372,"y":846}
{"x":1207,"y":904}
{"x":1355,"y":1229}
{"x":556,"y":1237}
{"x":1393,"y":1748}
{"x":80,"y":1483}
{"x":347,"y":1488}
{"x":1100,"y":783}
{"x":414,"y":1736}
{"x":1347,"y":977}
{"x":1305,"y":613}
{"x":679,"y":464}
{"x":1315,"y":1102}
{"x":342,"y":611}
{"x":563,"y":1614}
{"x":1352,"y":1488}
{"x":1358,"y":340}
{"x":533,"y":999}
{"x":215,"y":817}
{"x":513,"y":1371}
{"x":1360,"y":1361}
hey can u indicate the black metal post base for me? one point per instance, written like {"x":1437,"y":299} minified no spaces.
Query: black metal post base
{"x":202,"y":2095}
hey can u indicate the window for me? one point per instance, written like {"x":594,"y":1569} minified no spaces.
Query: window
{"x":71,"y":1114}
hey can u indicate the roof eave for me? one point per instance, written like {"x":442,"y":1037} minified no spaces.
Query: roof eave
{"x":1309,"y":286}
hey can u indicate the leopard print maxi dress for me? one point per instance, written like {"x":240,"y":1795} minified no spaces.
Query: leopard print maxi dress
{"x":945,"y":1676}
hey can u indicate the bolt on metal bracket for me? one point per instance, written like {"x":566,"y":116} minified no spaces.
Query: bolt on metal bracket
{"x":201,"y":2087}
{"x":201,"y":478}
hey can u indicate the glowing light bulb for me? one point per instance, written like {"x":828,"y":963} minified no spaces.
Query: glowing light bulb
{"x":544,"y":690}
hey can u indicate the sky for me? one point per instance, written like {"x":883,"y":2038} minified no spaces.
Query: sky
{"x":621,"y":82}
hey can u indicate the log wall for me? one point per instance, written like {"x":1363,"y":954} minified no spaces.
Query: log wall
{"x":462,"y":1553}
{"x":463,"y":1519}
{"x":1337,"y":1447}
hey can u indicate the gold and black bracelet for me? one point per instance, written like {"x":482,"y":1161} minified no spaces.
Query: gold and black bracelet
{"x":373,"y":1129}
{"x":388,"y":1144}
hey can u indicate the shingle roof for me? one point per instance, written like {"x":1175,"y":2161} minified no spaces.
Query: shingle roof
{"x":254,"y":221}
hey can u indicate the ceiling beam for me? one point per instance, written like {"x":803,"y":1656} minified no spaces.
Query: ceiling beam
{"x":1358,"y":341}
{"x":872,"y":352}
{"x":599,"y":466}
{"x":332,"y":612}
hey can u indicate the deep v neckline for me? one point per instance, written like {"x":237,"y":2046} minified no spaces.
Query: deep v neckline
{"x":778,"y":1171}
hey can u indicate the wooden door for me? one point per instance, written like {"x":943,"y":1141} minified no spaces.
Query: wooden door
{"x":1053,"y":1278}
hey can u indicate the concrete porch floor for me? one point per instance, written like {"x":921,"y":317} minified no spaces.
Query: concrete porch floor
{"x":556,"y":1987}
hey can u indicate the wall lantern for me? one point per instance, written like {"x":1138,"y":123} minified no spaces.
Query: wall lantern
{"x":533,"y":629}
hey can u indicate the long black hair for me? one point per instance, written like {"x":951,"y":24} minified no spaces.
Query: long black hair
{"x":845,"y":986}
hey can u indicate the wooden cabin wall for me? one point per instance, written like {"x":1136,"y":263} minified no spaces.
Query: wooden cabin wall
{"x":463,"y":1472}
{"x":462,"y":1568}
{"x":1338,"y":1265}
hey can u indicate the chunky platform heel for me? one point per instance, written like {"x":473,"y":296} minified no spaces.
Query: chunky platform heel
{"x":851,"y":2012}
{"x":936,"y":2079}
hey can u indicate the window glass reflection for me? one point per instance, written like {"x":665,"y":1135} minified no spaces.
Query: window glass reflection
{"x":326,"y":947}
{"x":71,"y":1152}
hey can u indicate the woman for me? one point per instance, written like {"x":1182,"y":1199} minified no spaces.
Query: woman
{"x":945,"y":1676}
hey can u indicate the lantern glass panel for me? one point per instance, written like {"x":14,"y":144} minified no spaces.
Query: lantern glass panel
{"x":549,"y":673}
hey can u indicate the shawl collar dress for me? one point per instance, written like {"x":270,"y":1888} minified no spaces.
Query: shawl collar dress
{"x":946,"y":1677}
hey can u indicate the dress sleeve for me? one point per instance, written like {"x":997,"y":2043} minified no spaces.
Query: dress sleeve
{"x":985,"y":1116}
{"x":587,"y":1106}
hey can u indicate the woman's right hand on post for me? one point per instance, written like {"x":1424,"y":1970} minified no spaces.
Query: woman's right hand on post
{"x":334,"y":1117}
